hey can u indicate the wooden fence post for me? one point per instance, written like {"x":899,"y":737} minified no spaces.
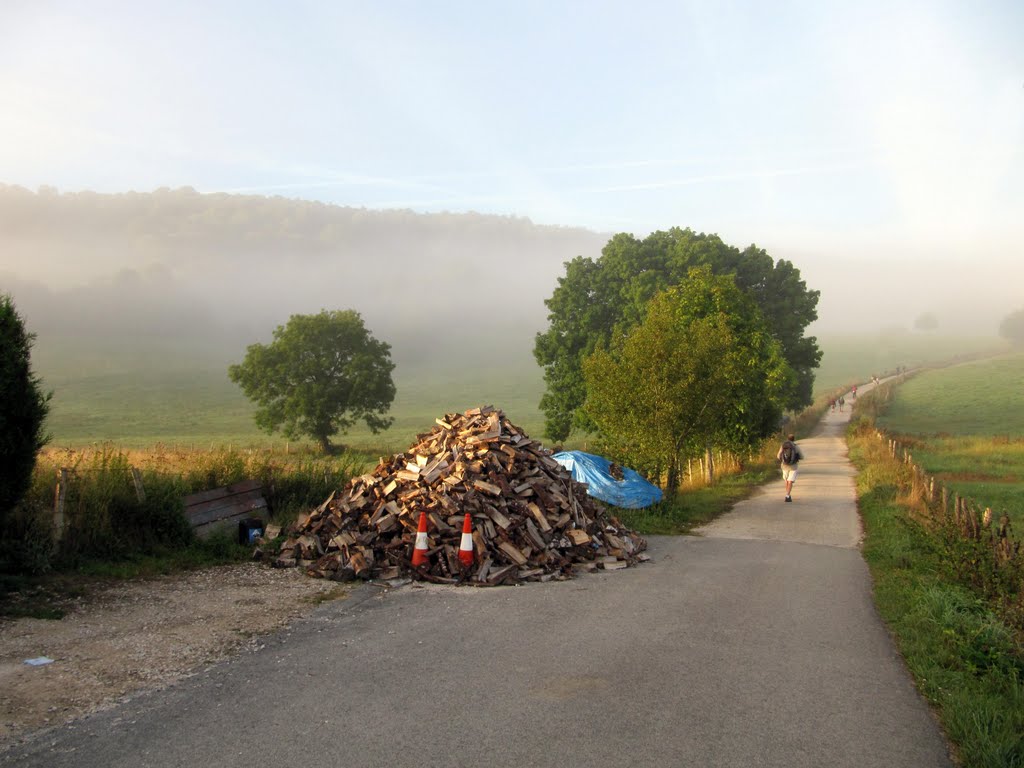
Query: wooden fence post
{"x":59,"y":497}
{"x":140,"y":491}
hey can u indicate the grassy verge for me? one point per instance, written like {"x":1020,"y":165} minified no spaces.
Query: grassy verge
{"x":967,"y":662}
{"x":695,"y":507}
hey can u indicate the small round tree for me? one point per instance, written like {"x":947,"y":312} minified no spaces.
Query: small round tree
{"x":320,"y":375}
{"x":23,"y":408}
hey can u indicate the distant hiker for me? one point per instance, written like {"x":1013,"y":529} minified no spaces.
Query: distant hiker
{"x":853,"y":392}
{"x":842,"y":402}
{"x":789,"y":454}
{"x":832,"y":405}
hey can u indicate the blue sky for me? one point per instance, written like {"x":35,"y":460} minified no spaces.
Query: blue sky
{"x":889,"y":130}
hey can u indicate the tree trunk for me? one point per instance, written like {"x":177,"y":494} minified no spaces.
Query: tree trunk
{"x":672,"y":482}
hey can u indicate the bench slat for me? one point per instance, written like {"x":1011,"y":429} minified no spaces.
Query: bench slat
{"x":228,"y":490}
{"x":222,"y":513}
{"x":224,"y":502}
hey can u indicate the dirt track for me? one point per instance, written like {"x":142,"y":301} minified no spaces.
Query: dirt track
{"x":142,"y":635}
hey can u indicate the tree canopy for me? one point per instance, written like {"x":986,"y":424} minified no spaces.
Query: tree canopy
{"x":701,"y":368}
{"x":23,"y":411}
{"x":596,"y":299}
{"x":321,"y":375}
{"x":1012,"y":328}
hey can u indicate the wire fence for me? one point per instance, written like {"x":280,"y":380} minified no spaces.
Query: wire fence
{"x":980,"y":543}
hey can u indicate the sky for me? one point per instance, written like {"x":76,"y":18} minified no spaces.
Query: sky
{"x":870,"y":135}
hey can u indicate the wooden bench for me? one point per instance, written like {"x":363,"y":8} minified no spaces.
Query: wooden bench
{"x":220,"y":508}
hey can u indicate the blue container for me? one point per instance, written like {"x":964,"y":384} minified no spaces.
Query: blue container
{"x":249,"y":530}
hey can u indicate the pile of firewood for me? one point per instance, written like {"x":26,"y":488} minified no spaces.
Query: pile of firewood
{"x":531,"y":521}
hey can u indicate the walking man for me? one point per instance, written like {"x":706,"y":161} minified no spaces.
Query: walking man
{"x":789,"y":454}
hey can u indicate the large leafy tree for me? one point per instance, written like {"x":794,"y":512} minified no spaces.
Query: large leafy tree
{"x":701,"y":369}
{"x":23,"y":408}
{"x":597,"y":298}
{"x":321,"y":375}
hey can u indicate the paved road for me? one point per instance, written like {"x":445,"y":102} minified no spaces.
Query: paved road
{"x":753,"y":644}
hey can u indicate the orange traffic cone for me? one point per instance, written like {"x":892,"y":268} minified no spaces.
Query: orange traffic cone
{"x":466,"y":547}
{"x":419,"y":552}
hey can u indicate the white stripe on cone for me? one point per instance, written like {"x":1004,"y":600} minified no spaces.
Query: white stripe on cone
{"x":421,"y":540}
{"x":467,"y":543}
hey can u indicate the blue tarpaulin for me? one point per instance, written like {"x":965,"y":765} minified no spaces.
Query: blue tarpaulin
{"x":632,"y":492}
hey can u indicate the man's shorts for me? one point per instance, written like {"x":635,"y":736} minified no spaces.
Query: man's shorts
{"x":788,"y":473}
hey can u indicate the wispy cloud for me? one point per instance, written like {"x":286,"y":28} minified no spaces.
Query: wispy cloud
{"x":725,"y":177}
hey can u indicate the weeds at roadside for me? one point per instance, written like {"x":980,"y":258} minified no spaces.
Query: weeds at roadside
{"x":966,"y":660}
{"x":111,"y":533}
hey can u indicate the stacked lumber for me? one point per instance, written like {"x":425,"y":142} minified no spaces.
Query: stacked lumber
{"x":531,"y":520}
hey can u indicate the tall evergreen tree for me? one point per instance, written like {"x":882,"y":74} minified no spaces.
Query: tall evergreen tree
{"x":23,"y":408}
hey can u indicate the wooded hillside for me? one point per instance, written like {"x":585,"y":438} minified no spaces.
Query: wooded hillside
{"x":209,"y":273}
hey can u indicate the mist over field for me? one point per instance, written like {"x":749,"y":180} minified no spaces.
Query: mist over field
{"x":141,"y":300}
{"x":437,"y":164}
{"x":208,"y":274}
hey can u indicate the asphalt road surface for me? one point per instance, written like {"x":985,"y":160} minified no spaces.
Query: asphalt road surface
{"x":753,"y":644}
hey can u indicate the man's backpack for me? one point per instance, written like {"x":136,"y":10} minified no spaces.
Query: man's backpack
{"x":789,"y":453}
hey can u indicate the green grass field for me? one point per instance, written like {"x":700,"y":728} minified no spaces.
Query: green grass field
{"x":854,"y":359}
{"x":172,"y":399}
{"x":967,"y":429}
{"x":202,"y":408}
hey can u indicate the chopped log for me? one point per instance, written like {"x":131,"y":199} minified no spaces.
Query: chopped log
{"x":499,"y":576}
{"x":499,"y":519}
{"x":513,"y":552}
{"x":360,"y":565}
{"x":578,"y":537}
{"x":538,"y":515}
{"x":490,"y":488}
{"x":529,"y":573}
{"x":534,"y":535}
